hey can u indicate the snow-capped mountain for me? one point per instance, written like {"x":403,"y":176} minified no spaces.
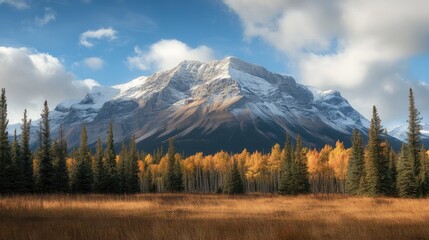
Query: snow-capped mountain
{"x":227,"y":104}
{"x":400,"y":132}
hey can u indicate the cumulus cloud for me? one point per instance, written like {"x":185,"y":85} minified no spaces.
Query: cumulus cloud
{"x":94,"y":63}
{"x":19,"y":4}
{"x":166,"y":54}
{"x":49,"y":16}
{"x":31,"y":77}
{"x":358,"y":47}
{"x":102,"y":33}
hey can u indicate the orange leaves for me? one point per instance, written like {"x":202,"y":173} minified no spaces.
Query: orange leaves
{"x":338,"y":160}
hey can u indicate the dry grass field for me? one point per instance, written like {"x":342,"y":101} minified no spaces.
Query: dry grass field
{"x":185,"y":216}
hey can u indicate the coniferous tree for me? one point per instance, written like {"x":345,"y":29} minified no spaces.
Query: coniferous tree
{"x":61,"y":174}
{"x":413,"y":134}
{"x":178,"y":177}
{"x":133,"y":168}
{"x":111,"y":183}
{"x":286,"y":176}
{"x":424,"y":173}
{"x":122,"y":168}
{"x":82,"y":179}
{"x":393,"y":171}
{"x":27,"y":161}
{"x":17,"y":165}
{"x":6,"y":165}
{"x":355,"y":171}
{"x":98,"y":168}
{"x":300,"y":170}
{"x":406,"y":181}
{"x":235,"y":183}
{"x":45,"y":168}
{"x":373,"y":165}
{"x":173,"y":181}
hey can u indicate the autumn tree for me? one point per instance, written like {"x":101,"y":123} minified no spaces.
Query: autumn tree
{"x":355,"y":171}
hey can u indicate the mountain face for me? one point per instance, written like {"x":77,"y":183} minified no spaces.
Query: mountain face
{"x":400,"y":132}
{"x":227,"y":104}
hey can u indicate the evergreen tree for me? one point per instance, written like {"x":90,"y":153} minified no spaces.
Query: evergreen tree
{"x":424,"y":173}
{"x":355,"y":170}
{"x":235,"y":183}
{"x":133,"y":168}
{"x":122,"y":168}
{"x":6,"y":165}
{"x":151,"y":187}
{"x":111,"y":183}
{"x":393,"y":171}
{"x":300,"y":173}
{"x":27,"y":160}
{"x":82,"y":179}
{"x":286,"y":173}
{"x":374,"y":175}
{"x":413,"y":134}
{"x":406,"y":181}
{"x":45,"y":169}
{"x":172,"y":178}
{"x":17,"y":165}
{"x":61,"y":175}
{"x":98,"y":168}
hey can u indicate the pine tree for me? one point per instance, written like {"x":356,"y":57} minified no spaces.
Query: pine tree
{"x":61,"y":175}
{"x":393,"y":172}
{"x":133,"y":168}
{"x":82,"y":179}
{"x":17,"y":165}
{"x":111,"y":183}
{"x":286,"y":173}
{"x":373,"y":163}
{"x":235,"y":183}
{"x":355,"y":170}
{"x":45,"y":169}
{"x":98,"y":168}
{"x":300,"y":173}
{"x":173,"y":181}
{"x":178,"y":177}
{"x":406,"y":181}
{"x":424,"y":173}
{"x":6,"y":165}
{"x":122,"y":168}
{"x":27,"y":161}
{"x":413,"y":134}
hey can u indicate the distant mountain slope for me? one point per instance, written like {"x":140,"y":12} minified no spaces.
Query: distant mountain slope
{"x":227,"y":104}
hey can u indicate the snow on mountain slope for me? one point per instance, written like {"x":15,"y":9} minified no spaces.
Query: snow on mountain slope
{"x":400,"y":131}
{"x":212,"y":103}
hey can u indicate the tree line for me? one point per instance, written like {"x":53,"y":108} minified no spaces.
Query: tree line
{"x":373,"y":169}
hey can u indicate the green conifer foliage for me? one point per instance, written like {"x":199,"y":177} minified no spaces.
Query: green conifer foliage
{"x":355,"y":170}
{"x":406,"y":181}
{"x":45,"y":170}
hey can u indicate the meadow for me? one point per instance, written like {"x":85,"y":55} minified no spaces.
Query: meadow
{"x":203,"y":216}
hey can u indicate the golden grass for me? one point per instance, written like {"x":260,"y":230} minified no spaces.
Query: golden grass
{"x":186,"y":216}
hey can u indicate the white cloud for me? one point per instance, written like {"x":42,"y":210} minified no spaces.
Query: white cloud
{"x":106,"y":33}
{"x":358,"y":47}
{"x":50,"y":15}
{"x":94,"y":63}
{"x":31,"y":77}
{"x":166,"y":54}
{"x":19,"y":4}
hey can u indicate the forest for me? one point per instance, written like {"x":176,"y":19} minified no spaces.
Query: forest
{"x":372,"y":169}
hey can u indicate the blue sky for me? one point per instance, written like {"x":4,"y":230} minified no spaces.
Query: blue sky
{"x":371,"y":51}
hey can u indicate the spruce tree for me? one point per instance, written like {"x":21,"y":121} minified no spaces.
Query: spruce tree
{"x":98,"y":168}
{"x":355,"y":170}
{"x":424,"y":173}
{"x":393,"y":171}
{"x":122,"y":168}
{"x":235,"y":183}
{"x":6,"y":165}
{"x":286,"y":166}
{"x":300,"y":173}
{"x":82,"y":179}
{"x":406,"y":181}
{"x":133,"y":168}
{"x":45,"y":169}
{"x":61,"y":175}
{"x":373,"y":163}
{"x":172,"y":178}
{"x":17,"y":165}
{"x":178,"y":177}
{"x":413,"y":134}
{"x":111,"y":180}
{"x":27,"y":160}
